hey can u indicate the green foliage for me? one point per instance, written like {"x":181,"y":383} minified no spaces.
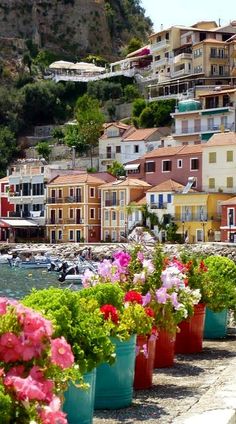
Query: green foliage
{"x":6,"y":410}
{"x":43,"y":149}
{"x":132,"y":318}
{"x":116,"y":169}
{"x":105,"y":90}
{"x":27,"y":60}
{"x":79,"y":320}
{"x":137,"y":107}
{"x":45,"y":57}
{"x":96,"y":59}
{"x":58,"y":134}
{"x":171,"y":233}
{"x":131,"y":92}
{"x":134,"y":44}
{"x":8,"y":148}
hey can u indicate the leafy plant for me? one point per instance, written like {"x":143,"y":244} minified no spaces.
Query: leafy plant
{"x":77,"y":319}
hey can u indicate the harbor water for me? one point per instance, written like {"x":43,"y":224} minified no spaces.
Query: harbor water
{"x":16,"y":282}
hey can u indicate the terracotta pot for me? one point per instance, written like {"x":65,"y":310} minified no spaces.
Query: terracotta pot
{"x":190,"y":337}
{"x":144,"y":362}
{"x":165,"y":349}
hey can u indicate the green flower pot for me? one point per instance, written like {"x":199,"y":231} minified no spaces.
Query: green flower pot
{"x":79,"y":403}
{"x":114,"y":383}
{"x":215,"y":324}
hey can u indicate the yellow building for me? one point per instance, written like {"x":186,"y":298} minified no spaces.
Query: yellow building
{"x":198,"y":215}
{"x":73,"y":208}
{"x":119,"y":207}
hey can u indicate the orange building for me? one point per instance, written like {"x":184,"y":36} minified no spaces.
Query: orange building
{"x":73,"y":207}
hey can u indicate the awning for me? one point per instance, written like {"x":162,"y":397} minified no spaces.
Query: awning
{"x":3,"y":225}
{"x":18,"y":223}
{"x":132,"y":166}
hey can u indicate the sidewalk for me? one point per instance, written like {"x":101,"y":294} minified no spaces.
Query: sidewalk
{"x":199,"y":389}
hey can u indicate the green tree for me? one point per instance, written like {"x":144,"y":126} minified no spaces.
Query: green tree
{"x":89,"y":124}
{"x":27,"y":60}
{"x":73,"y":138}
{"x":131,"y":92}
{"x":134,"y":44}
{"x":58,"y":134}
{"x":137,"y":107}
{"x":8,"y":148}
{"x":116,"y":169}
{"x":43,"y":149}
{"x":146,"y":119}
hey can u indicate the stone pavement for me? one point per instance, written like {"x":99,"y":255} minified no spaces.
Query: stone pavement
{"x":199,"y":389}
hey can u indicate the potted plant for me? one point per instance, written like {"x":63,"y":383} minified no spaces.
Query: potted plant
{"x":80,"y":321}
{"x":124,"y":316}
{"x":215,"y":276}
{"x":35,"y":366}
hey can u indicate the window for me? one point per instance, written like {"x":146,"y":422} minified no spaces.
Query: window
{"x":194,"y":164}
{"x":71,"y":213}
{"x":229,"y":182}
{"x":92,"y":213}
{"x":106,"y":216}
{"x":157,"y":58}
{"x":71,"y":235}
{"x":212,"y":157}
{"x":60,"y":213}
{"x":230,"y":156}
{"x":179,"y":163}
{"x":210,"y":123}
{"x":60,"y":193}
{"x":113,"y":216}
{"x":99,"y":193}
{"x":92,"y":192}
{"x":99,"y":213}
{"x":71,"y":191}
{"x":136,"y":148}
{"x":169,"y":198}
{"x":152,"y":198}
{"x":122,"y":217}
{"x":211,"y":183}
{"x":59,"y":234}
{"x":166,"y":165}
{"x":118,"y":149}
{"x":150,"y":166}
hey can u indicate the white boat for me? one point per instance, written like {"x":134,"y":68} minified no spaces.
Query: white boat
{"x":32,"y":263}
{"x":72,"y":273}
{"x":4,"y":258}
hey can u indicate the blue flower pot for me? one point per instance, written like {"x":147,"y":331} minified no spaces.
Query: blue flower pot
{"x":215,"y":324}
{"x":114,"y":383}
{"x":79,"y":403}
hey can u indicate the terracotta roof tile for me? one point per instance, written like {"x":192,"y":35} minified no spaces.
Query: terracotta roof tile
{"x":144,"y":133}
{"x":76,"y":179}
{"x":142,"y":201}
{"x":172,"y":151}
{"x":128,"y":182}
{"x":221,"y":139}
{"x":168,"y":185}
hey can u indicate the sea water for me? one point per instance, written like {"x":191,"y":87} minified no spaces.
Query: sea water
{"x":16,"y":282}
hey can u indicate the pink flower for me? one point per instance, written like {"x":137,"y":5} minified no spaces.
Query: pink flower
{"x":51,"y":414}
{"x":147,"y":299}
{"x":26,"y":388}
{"x":87,"y":278}
{"x":105,"y":268}
{"x":61,"y":353}
{"x":140,"y":256}
{"x":174,"y":300}
{"x":10,"y":347}
{"x":148,"y":265}
{"x":35,"y":326}
{"x":161,"y":295}
{"x":122,"y":258}
{"x":3,"y":305}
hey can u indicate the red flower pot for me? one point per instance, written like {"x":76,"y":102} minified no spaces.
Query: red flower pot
{"x":144,"y":362}
{"x":189,"y":339}
{"x":165,"y":349}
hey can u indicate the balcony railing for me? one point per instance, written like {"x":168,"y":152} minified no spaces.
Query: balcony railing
{"x":202,"y":129}
{"x":69,"y":199}
{"x":218,"y":56}
{"x":201,"y":218}
{"x":158,"y":205}
{"x":108,"y":155}
{"x":74,"y":221}
{"x":159,"y":45}
{"x":114,"y":203}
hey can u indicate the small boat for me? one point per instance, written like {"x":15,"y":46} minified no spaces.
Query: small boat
{"x":4,"y":258}
{"x":72,"y":273}
{"x":30,"y":263}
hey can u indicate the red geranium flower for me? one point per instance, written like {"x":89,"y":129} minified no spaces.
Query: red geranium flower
{"x":203,"y":267}
{"x":150,"y":312}
{"x":133,"y":297}
{"x":110,"y":312}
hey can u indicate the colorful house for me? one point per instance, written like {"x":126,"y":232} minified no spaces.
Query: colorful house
{"x":228,"y":220}
{"x":6,"y":208}
{"x":198,"y":215}
{"x":73,"y":207}
{"x":177,"y":163}
{"x":218,"y":163}
{"x":120,"y":212}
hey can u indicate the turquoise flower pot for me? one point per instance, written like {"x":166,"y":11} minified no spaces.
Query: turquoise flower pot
{"x":114,"y":383}
{"x":215,"y":324}
{"x":79,"y":403}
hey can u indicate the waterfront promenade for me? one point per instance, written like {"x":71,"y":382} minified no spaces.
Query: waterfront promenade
{"x":199,"y":389}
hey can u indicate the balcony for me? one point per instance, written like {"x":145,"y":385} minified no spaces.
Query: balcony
{"x":69,"y":199}
{"x":158,"y":206}
{"x":159,"y":45}
{"x":107,"y":155}
{"x":114,"y":202}
{"x":182,"y":56}
{"x":218,"y":56}
{"x":74,"y":221}
{"x":203,"y":129}
{"x":197,"y":218}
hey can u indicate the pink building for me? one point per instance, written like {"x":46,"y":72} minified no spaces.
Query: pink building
{"x":228,"y":220}
{"x":176,"y":163}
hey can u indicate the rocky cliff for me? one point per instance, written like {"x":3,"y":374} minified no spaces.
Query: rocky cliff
{"x":71,"y":27}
